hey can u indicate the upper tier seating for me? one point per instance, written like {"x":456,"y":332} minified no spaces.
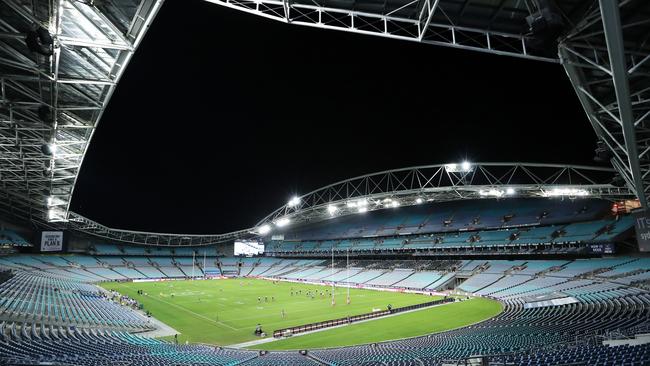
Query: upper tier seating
{"x":453,"y":216}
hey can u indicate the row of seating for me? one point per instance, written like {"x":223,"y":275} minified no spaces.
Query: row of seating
{"x":599,"y":231}
{"x":452,"y":216}
{"x":45,"y":299}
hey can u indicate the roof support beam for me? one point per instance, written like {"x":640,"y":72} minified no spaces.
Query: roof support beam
{"x":615,"y":48}
{"x":429,"y":8}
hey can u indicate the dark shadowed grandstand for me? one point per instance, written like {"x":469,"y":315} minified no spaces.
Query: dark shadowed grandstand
{"x":558,"y":251}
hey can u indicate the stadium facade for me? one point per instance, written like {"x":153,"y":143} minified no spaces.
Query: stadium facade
{"x":554,"y":244}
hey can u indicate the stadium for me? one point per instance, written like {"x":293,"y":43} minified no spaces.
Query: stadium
{"x":452,"y":263}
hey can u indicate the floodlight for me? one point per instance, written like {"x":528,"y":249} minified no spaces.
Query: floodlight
{"x":394,"y":204}
{"x":492,"y":192}
{"x":555,"y":192}
{"x":293,"y":202}
{"x":351,"y":204}
{"x":463,"y":167}
{"x":419,"y":200}
{"x":332,"y":209}
{"x":363,"y":209}
{"x":282,"y":222}
{"x":54,"y":214}
{"x":510,"y":191}
{"x":264,"y":229}
{"x":362,"y":202}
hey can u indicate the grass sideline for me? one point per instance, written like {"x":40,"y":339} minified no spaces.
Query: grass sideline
{"x":225,"y":312}
{"x":412,"y":324}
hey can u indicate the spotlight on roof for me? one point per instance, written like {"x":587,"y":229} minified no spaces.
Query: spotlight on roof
{"x":55,"y":214}
{"x":293,"y":202}
{"x":510,"y":191}
{"x":394,"y":204}
{"x":50,"y":201}
{"x":282,"y":222}
{"x":264,"y":229}
{"x":363,"y":209}
{"x":331,"y":209}
{"x":491,"y":193}
{"x":419,"y":200}
{"x":463,"y":167}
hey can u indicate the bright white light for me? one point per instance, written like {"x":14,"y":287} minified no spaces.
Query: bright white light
{"x":351,"y":204}
{"x":282,"y":222}
{"x":565,"y":192}
{"x":464,"y":167}
{"x":510,"y":191}
{"x":295,"y":201}
{"x":451,"y":167}
{"x":394,"y":204}
{"x":50,"y":201}
{"x":492,"y":192}
{"x":419,"y":200}
{"x":363,"y":209}
{"x":54,"y":214}
{"x":332,"y":209}
{"x":362,"y":202}
{"x":264,"y":229}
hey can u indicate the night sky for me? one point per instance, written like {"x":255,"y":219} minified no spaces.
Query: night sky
{"x":222,"y":116}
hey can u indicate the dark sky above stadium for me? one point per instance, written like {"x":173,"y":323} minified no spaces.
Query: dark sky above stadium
{"x":222,"y":116}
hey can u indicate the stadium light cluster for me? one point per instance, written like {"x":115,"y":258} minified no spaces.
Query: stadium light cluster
{"x":282,"y":222}
{"x":362,"y":202}
{"x":332,"y":209}
{"x":491,"y":192}
{"x":264,"y":229}
{"x":56,"y":214}
{"x":293,"y":202}
{"x":463,"y":167}
{"x":573,"y":192}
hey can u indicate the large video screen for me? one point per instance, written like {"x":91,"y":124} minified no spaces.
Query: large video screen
{"x":248,"y":248}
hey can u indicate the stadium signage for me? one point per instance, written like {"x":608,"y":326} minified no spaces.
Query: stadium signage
{"x":51,"y":241}
{"x":642,"y":227}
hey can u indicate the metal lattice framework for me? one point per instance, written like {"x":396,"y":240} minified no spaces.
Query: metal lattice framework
{"x":607,"y":58}
{"x":478,"y":25}
{"x":435,"y":183}
{"x":60,"y":61}
{"x":603,"y":45}
{"x":54,"y":95}
{"x":79,"y":223}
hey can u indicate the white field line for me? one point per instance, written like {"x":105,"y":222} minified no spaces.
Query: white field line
{"x":191,"y":312}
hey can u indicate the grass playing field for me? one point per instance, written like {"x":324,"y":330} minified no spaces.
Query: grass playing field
{"x":225,"y":312}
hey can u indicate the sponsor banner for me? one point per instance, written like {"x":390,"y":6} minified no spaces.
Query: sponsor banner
{"x":51,"y":241}
{"x":642,"y":227}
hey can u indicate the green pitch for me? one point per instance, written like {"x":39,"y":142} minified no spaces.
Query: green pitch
{"x":225,"y":312}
